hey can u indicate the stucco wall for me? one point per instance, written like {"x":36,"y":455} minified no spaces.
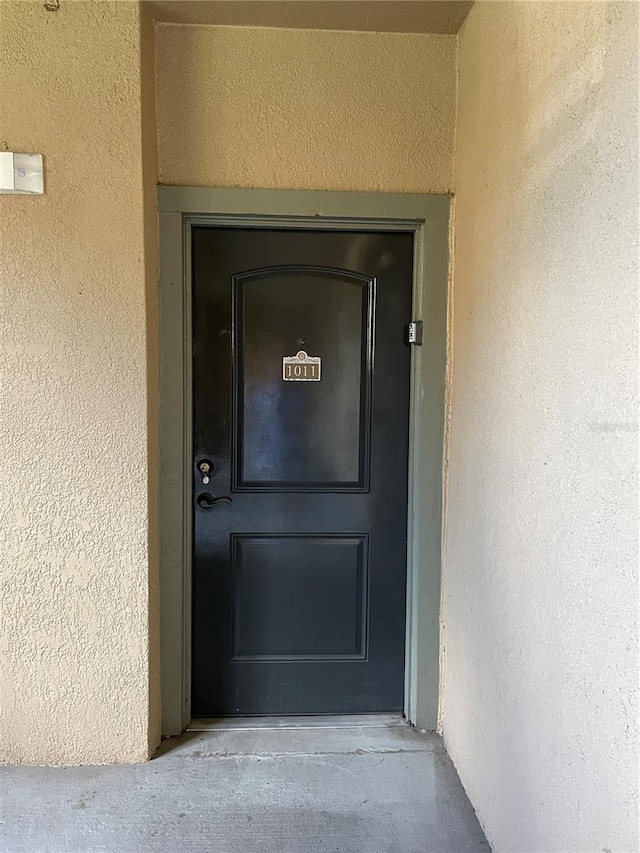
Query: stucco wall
{"x":305,"y":109}
{"x":540,"y":582}
{"x":151,"y":247}
{"x":74,"y":674}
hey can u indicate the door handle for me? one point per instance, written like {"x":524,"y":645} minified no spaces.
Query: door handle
{"x":207,"y":501}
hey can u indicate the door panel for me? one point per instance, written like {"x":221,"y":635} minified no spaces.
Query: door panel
{"x":280,"y":440}
{"x":299,"y":583}
{"x":288,"y":588}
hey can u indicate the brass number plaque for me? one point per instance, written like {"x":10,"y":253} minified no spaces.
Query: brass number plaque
{"x":301,"y":367}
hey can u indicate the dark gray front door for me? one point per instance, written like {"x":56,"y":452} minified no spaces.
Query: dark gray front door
{"x":300,"y":437}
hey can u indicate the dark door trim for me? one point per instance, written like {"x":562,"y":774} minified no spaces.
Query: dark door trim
{"x":180,"y":208}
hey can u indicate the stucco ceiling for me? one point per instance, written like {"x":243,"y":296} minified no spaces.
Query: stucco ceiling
{"x":396,"y":16}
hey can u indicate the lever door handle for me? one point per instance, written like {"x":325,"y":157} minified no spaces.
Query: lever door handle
{"x":207,"y":501}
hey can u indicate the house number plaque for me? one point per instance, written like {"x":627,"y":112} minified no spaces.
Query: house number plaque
{"x":301,"y":367}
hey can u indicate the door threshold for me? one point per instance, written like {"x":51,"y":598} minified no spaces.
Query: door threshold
{"x":258,"y":724}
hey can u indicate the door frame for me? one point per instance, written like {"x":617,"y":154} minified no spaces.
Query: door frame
{"x":427,"y":217}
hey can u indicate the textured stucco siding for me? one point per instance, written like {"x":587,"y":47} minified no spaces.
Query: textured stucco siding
{"x":541,"y":561}
{"x":74,"y":646}
{"x":151,"y":251}
{"x":305,"y":109}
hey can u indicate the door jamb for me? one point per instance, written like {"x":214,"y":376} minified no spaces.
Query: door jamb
{"x":427,"y":216}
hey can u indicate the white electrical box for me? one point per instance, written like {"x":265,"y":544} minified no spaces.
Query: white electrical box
{"x":21,"y":174}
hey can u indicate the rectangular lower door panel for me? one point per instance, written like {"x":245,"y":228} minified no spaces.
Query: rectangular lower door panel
{"x":299,"y":597}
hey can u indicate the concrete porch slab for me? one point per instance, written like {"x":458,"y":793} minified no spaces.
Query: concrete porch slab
{"x":375,"y":789}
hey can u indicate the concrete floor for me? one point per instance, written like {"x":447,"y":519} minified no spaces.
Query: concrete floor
{"x":379,"y":789}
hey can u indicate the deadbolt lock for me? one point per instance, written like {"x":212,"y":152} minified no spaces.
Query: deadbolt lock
{"x":205,"y":467}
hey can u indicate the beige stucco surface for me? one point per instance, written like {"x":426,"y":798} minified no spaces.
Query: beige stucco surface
{"x":149,"y":150}
{"x":305,"y":109}
{"x":75,"y":680}
{"x":541,"y":564}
